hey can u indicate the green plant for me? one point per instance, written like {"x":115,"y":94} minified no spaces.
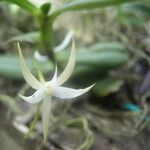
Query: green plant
{"x":46,"y":18}
{"x":101,"y":57}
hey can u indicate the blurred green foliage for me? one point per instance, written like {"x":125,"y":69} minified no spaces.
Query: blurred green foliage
{"x":93,"y":62}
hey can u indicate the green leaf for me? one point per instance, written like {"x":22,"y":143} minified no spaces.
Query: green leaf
{"x":143,"y":9}
{"x":109,"y":59}
{"x":86,"y":5}
{"x":10,"y":68}
{"x":25,"y":4}
{"x":108,"y":46}
{"x":106,"y":59}
{"x":87,"y":63}
{"x":31,"y":37}
{"x":107,"y":85}
{"x":134,"y":14}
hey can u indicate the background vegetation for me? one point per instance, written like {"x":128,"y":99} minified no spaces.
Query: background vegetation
{"x":112,"y":41}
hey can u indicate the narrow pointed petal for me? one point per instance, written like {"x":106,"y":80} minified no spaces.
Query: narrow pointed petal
{"x":35,"y":98}
{"x":54,"y":79}
{"x":46,"y":110}
{"x":30,"y":79}
{"x":65,"y":42}
{"x":67,"y":93}
{"x":70,"y":66}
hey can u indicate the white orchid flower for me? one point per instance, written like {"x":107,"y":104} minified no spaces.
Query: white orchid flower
{"x":53,"y":88}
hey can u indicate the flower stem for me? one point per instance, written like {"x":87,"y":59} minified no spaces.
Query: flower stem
{"x":47,"y":37}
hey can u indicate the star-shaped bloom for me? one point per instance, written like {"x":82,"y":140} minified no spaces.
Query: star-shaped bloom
{"x":53,"y":88}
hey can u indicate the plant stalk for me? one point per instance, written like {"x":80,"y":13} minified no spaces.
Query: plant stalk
{"x":47,"y":37}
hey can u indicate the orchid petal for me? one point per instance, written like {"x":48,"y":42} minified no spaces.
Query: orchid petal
{"x":53,"y":81}
{"x":35,"y":98}
{"x":46,"y":108}
{"x":65,"y":42}
{"x":69,"y":68}
{"x":40,"y":57}
{"x":30,"y":79}
{"x":67,"y":93}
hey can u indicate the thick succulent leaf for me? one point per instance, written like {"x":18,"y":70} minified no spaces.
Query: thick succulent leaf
{"x":69,"y":68}
{"x":30,"y":79}
{"x":102,"y":59}
{"x":46,"y":110}
{"x":10,"y":68}
{"x":35,"y":98}
{"x":108,"y":46}
{"x":87,"y":4}
{"x":67,"y":93}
